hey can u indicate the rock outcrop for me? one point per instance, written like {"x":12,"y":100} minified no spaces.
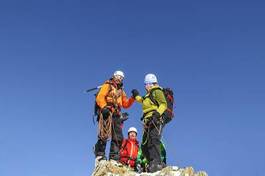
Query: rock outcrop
{"x":106,"y":168}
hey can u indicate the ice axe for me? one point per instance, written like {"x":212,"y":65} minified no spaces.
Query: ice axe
{"x":92,"y":89}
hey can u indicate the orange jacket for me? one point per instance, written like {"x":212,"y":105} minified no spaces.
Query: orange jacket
{"x":110,"y":94}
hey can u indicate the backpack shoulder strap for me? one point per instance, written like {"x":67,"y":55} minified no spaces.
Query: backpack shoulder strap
{"x":109,"y":82}
{"x":151,"y":96}
{"x":106,"y":82}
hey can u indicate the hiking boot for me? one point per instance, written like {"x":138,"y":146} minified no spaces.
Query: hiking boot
{"x":139,"y":168}
{"x":99,"y":159}
{"x":163,"y":165}
{"x":154,"y":167}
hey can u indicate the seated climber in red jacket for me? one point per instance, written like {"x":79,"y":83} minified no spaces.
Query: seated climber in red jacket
{"x":129,"y":149}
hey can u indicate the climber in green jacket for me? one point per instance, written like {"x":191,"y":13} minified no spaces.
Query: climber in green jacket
{"x":152,"y":118}
{"x":142,"y":162}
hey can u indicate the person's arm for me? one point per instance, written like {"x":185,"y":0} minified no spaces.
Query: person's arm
{"x":123,"y":152}
{"x":139,"y":156}
{"x":101,"y":97}
{"x":136,"y":96}
{"x":139,"y":99}
{"x":126,"y":102}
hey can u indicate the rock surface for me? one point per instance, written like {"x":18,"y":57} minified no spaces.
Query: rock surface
{"x":106,"y":168}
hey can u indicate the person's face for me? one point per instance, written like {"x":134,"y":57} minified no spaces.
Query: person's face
{"x":148,"y":87}
{"x":118,"y":79}
{"x":132,"y":135}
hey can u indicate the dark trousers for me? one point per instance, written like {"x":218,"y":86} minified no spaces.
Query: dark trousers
{"x":151,"y":142}
{"x":116,"y":141}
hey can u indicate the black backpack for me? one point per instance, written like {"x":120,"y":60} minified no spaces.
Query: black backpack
{"x":168,"y":93}
{"x":96,"y":106}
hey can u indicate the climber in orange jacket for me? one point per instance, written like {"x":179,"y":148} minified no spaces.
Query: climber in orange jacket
{"x":129,"y":149}
{"x":110,"y":99}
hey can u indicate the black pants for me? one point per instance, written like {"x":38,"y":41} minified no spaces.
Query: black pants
{"x":151,"y":142}
{"x":116,"y":140}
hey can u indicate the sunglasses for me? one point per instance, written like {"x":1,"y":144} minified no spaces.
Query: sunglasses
{"x":119,"y":77}
{"x":148,"y":84}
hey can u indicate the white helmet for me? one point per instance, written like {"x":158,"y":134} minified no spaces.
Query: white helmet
{"x":150,"y":79}
{"x":119,"y":73}
{"x":132,"y":129}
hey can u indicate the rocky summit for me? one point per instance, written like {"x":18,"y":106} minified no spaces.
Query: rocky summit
{"x":106,"y":168}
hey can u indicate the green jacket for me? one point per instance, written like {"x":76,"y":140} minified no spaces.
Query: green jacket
{"x":141,"y":159}
{"x":148,"y":106}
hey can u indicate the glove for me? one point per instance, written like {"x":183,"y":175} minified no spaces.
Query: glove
{"x":125,"y":114}
{"x":124,"y":117}
{"x":135,"y":93}
{"x":105,"y":112}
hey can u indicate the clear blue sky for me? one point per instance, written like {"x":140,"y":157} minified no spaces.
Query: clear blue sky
{"x":211,"y":53}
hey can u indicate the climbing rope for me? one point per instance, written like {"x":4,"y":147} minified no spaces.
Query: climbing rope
{"x":104,"y":127}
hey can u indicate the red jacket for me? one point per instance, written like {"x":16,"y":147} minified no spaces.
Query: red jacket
{"x":128,"y":152}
